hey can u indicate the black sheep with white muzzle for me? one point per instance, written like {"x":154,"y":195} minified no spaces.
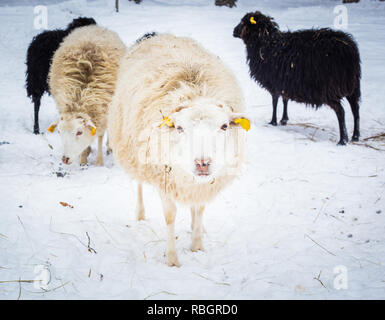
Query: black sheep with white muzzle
{"x":315,"y":66}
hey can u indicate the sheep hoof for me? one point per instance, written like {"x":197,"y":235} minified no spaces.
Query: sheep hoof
{"x":36,"y":131}
{"x":172,"y":259}
{"x":197,"y":245}
{"x":273,"y":123}
{"x":283,"y":122}
{"x":355,"y":138}
{"x":109,"y":151}
{"x":342,"y":142}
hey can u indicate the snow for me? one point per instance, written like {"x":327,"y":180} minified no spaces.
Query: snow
{"x":304,"y":214}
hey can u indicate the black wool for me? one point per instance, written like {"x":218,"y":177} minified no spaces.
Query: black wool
{"x":315,"y":66}
{"x":146,"y":36}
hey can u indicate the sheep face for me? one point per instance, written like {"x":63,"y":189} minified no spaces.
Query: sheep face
{"x":254,"y":24}
{"x":203,"y":140}
{"x":77,"y":132}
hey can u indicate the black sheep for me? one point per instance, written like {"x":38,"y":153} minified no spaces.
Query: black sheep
{"x":39,"y":56}
{"x":316,"y":66}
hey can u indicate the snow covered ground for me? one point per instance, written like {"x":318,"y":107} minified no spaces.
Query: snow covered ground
{"x":305,"y":219}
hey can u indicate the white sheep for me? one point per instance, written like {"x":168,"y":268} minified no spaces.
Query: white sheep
{"x":174,"y":123}
{"x":82,"y":80}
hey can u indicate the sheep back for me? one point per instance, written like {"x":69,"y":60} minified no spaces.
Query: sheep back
{"x":310,"y":66}
{"x":83,"y":73}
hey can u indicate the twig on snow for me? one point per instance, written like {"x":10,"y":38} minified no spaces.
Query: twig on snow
{"x":64,"y":233}
{"x":154,"y":294}
{"x":318,"y":278}
{"x":19,"y":281}
{"x":371,"y":176}
{"x":367,"y":146}
{"x":90,"y":249}
{"x":106,"y":231}
{"x":18,"y":297}
{"x":380,"y":136}
{"x":218,"y":283}
{"x":320,"y":211}
{"x":320,"y":245}
{"x":45,"y":291}
{"x":61,"y":286}
{"x":26,"y":233}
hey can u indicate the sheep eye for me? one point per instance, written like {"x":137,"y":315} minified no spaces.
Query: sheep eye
{"x":79,"y":133}
{"x":180,"y":129}
{"x":224,"y":127}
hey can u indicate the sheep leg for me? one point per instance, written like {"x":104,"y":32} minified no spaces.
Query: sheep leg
{"x":197,"y":228}
{"x":285,"y":117}
{"x":274,"y":118}
{"x":139,"y":206}
{"x":99,"y":157}
{"x":109,"y":149}
{"x":36,"y":102}
{"x":192,"y":209}
{"x":339,"y":110}
{"x":84,"y":156}
{"x":353,"y":101}
{"x":169,"y":210}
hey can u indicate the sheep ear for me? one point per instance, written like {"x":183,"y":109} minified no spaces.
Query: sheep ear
{"x":240,"y":119}
{"x":93,"y":131}
{"x":52,"y":127}
{"x":166,"y":121}
{"x":92,"y":127}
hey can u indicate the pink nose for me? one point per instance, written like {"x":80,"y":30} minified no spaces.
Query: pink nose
{"x":202,"y":166}
{"x":65,"y":160}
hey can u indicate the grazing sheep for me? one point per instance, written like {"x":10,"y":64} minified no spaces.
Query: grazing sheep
{"x":173,"y":123}
{"x":311,"y":66}
{"x":39,"y":56}
{"x":82,"y":80}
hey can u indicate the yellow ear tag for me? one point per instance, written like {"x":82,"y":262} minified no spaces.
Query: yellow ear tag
{"x":243,"y":122}
{"x":166,"y":121}
{"x":51,"y":128}
{"x":93,"y":131}
{"x":252,"y":20}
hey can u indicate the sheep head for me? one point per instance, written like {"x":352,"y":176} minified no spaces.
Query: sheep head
{"x":255,"y":25}
{"x":76,"y":131}
{"x":203,"y":138}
